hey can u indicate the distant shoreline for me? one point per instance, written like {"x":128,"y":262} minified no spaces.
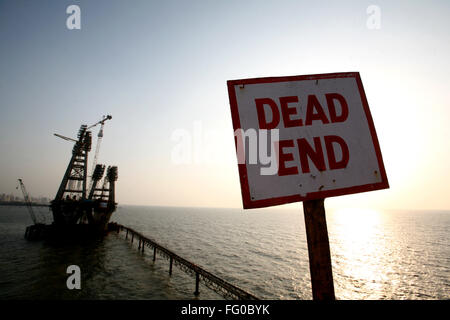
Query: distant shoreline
{"x":22,"y":203}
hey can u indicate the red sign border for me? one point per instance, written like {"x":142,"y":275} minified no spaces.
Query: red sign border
{"x":248,"y":203}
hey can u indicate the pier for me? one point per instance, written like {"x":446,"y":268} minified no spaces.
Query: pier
{"x":222,"y":287}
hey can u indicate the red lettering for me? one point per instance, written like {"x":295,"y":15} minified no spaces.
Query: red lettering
{"x":329,"y":140}
{"x":283,"y":157}
{"x":263,"y":124}
{"x":332,"y":108}
{"x":305,"y":151}
{"x":314,"y":104}
{"x":286,"y":112}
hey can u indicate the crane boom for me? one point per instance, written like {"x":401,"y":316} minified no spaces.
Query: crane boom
{"x":108,"y":117}
{"x":100,"y":134}
{"x":65,"y":138}
{"x":27,"y":201}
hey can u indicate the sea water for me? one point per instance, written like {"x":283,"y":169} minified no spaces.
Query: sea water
{"x":375,"y":255}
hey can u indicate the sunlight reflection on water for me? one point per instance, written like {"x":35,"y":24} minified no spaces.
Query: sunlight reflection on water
{"x":383,"y":255}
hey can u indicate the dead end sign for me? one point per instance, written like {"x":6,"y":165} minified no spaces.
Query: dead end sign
{"x":326,"y":145}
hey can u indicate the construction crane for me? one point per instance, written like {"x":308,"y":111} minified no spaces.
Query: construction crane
{"x":27,"y":199}
{"x":100,"y":134}
{"x":99,"y":140}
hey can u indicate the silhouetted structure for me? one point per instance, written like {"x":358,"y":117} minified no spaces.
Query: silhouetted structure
{"x":77,"y":211}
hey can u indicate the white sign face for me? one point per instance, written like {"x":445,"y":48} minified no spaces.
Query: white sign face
{"x":304,"y":137}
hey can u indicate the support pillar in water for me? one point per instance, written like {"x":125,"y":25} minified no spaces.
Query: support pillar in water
{"x":197,"y":281}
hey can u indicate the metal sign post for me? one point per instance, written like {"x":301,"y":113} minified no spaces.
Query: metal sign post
{"x":318,"y":250}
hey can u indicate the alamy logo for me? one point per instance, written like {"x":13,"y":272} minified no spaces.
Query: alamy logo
{"x":374,"y":19}
{"x":74,"y":20}
{"x":259,"y":147}
{"x":74,"y":280}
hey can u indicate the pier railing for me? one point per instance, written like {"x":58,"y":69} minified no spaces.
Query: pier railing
{"x":222,"y":287}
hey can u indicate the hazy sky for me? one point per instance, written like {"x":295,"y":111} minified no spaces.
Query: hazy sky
{"x":162,"y":66}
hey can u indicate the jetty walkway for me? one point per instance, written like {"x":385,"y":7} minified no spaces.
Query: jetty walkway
{"x":222,"y":287}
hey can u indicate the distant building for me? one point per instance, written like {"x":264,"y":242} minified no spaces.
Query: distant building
{"x":12,"y":198}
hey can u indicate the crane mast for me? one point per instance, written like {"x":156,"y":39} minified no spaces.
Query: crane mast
{"x":97,"y":147}
{"x":27,"y":199}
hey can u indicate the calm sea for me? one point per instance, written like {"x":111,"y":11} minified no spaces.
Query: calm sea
{"x":375,"y":255}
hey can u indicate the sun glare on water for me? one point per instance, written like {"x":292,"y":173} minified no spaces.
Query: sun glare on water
{"x":358,"y":245}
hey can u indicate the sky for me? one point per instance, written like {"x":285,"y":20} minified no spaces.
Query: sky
{"x":160,"y":68}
